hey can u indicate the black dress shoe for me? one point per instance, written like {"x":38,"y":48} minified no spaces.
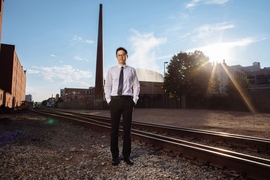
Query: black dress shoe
{"x":115,"y":161}
{"x":128,"y":161}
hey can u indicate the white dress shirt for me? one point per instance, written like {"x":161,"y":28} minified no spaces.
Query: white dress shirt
{"x":131,"y":85}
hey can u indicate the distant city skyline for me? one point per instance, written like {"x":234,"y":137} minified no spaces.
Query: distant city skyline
{"x":56,"y":41}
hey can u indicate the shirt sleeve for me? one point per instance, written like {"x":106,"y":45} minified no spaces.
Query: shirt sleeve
{"x":136,"y":87}
{"x":108,"y":86}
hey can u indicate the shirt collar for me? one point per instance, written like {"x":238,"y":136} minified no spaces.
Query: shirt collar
{"x":121,"y":66}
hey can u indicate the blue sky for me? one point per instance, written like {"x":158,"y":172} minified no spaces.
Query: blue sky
{"x":56,"y":40}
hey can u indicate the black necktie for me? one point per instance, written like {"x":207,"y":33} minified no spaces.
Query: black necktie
{"x":120,"y":86}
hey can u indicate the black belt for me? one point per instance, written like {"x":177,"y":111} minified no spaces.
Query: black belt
{"x":121,"y":97}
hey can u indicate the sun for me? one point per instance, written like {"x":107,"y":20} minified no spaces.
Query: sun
{"x":216,"y":52}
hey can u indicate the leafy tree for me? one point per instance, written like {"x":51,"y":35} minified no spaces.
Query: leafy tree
{"x":189,"y":74}
{"x":59,"y":101}
{"x":44,"y":103}
{"x":237,"y":89}
{"x":214,"y":85}
{"x":237,"y":86}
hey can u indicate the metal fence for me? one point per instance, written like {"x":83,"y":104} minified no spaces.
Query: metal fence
{"x":145,"y":101}
{"x":259,"y":99}
{"x":88,"y":102}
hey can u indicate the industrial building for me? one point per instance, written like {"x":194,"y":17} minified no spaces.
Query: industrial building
{"x":258,"y":78}
{"x":12,"y":77}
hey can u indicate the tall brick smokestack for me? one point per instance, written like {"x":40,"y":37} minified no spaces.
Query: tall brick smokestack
{"x":99,"y":63}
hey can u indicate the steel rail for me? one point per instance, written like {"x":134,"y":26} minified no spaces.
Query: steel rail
{"x":251,"y":166}
{"x":261,"y":144}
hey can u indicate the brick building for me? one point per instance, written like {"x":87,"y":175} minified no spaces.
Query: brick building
{"x":12,"y":76}
{"x":1,"y":96}
{"x":69,"y":94}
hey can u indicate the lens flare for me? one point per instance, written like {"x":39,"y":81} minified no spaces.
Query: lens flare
{"x":211,"y":80}
{"x":240,"y":90}
{"x":50,"y":121}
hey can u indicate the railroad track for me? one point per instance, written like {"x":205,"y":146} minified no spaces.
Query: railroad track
{"x":232,"y":140}
{"x":244,"y":164}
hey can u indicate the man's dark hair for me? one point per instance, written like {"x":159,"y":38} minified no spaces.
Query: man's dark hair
{"x":121,"y":48}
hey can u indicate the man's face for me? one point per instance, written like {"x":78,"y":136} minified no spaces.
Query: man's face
{"x":121,"y":56}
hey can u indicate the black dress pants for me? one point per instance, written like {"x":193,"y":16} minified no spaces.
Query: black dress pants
{"x":121,"y":105}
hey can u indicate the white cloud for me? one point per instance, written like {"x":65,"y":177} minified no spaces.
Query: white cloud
{"x":194,"y":3}
{"x":220,"y":51}
{"x":32,"y":71}
{"x":66,"y":73}
{"x":52,"y":55}
{"x":78,"y":58}
{"x":145,"y":46}
{"x":47,"y":89}
{"x":215,"y":1}
{"x":89,"y":41}
{"x":79,"y":39}
{"x":76,"y":38}
{"x":208,"y":30}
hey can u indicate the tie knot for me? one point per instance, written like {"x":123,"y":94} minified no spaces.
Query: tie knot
{"x":122,"y":67}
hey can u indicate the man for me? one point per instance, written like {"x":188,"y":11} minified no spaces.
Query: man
{"x":121,"y":89}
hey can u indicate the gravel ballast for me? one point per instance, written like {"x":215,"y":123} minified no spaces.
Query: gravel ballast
{"x":34,"y":147}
